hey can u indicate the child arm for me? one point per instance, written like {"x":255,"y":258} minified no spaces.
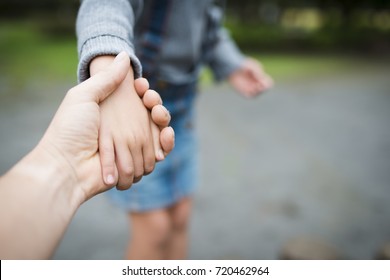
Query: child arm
{"x":128,"y":138}
{"x":226,"y":61}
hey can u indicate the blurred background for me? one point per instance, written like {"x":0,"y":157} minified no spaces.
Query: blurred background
{"x":304,"y":169}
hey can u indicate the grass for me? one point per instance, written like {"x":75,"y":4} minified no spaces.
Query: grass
{"x":289,"y":66}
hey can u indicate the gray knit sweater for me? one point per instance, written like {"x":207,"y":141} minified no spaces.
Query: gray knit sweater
{"x":192,"y":36}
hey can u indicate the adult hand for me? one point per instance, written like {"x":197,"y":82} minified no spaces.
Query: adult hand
{"x":41,"y":193}
{"x":72,"y":137}
{"x":160,"y":116}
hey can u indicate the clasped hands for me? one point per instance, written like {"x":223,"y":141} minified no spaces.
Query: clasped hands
{"x":77,"y":136}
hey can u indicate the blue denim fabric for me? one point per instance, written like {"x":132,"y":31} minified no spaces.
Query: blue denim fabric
{"x":177,"y":176}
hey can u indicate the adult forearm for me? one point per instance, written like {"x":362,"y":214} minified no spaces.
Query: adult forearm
{"x":39,"y":197}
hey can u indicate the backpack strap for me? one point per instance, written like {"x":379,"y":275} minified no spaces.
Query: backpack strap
{"x":153,"y":34}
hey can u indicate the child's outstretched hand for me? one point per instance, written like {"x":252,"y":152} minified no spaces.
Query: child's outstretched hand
{"x":129,"y":141}
{"x":250,"y":79}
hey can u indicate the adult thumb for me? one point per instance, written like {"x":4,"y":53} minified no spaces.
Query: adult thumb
{"x":101,"y":85}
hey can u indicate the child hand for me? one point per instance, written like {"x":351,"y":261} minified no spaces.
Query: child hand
{"x":250,"y":79}
{"x":126,"y":145}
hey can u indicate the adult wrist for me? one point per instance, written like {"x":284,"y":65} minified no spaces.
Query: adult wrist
{"x":49,"y":169}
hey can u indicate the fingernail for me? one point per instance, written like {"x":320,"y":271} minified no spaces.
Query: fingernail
{"x":120,"y":56}
{"x":173,"y":132}
{"x":110,"y":180}
{"x":165,"y":111}
{"x":160,"y":155}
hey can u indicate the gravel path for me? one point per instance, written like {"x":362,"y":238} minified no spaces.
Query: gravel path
{"x":310,"y":158}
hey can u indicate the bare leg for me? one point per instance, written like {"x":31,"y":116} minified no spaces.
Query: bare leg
{"x":150,"y":234}
{"x":178,"y":243}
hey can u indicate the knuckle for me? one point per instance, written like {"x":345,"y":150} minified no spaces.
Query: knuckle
{"x":123,"y":186}
{"x":149,"y":168}
{"x":128,"y":171}
{"x":132,"y":138}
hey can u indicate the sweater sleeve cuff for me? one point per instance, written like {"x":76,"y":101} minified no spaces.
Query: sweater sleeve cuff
{"x":105,"y":45}
{"x":224,"y":69}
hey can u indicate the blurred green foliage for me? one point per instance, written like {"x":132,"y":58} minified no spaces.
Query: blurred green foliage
{"x":284,"y":25}
{"x":320,"y":25}
{"x":255,"y":37}
{"x":28,"y":53}
{"x":37,"y":38}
